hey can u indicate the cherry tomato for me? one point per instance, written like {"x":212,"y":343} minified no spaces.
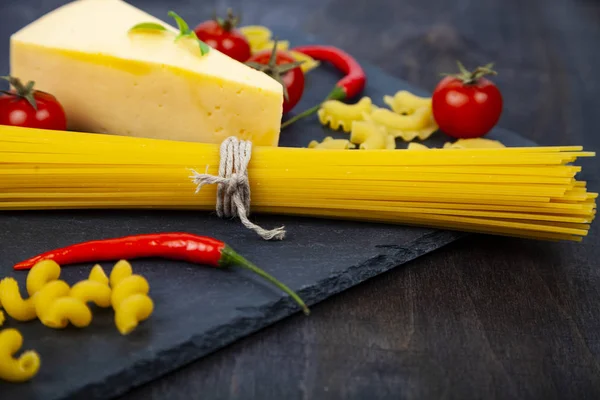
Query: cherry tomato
{"x":286,"y":70}
{"x":30,"y":108}
{"x":467,"y":105}
{"x":222,"y":36}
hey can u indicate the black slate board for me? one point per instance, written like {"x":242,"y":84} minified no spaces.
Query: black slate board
{"x":199,"y":310}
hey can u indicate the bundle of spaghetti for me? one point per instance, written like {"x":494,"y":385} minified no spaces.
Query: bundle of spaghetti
{"x":527,"y":192}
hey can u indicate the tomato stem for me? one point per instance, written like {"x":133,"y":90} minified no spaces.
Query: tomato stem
{"x":229,"y":23}
{"x":23,"y":91}
{"x":274,"y":70}
{"x":472,"y":77}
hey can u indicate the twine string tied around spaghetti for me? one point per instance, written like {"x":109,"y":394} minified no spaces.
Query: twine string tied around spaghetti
{"x":233,"y":190}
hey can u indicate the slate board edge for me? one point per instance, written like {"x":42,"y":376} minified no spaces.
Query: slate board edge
{"x":201,"y":345}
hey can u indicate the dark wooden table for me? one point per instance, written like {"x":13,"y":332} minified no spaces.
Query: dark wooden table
{"x":485,"y":318}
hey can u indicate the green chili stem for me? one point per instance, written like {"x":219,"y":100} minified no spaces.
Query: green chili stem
{"x":231,"y":257}
{"x":336,"y":94}
{"x":303,"y":114}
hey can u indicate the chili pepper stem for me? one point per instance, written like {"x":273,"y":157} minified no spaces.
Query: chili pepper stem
{"x":303,"y":114}
{"x":336,"y":94}
{"x":231,"y":257}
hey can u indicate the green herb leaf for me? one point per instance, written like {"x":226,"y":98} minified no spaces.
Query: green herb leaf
{"x":184,"y":29}
{"x":204,"y":48}
{"x":148,"y":26}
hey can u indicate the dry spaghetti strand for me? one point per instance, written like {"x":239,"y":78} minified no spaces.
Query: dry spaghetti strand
{"x":530,"y":192}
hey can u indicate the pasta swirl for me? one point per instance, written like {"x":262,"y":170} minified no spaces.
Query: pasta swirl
{"x":56,"y":308}
{"x":43,"y":272}
{"x":19,"y":369}
{"x":12,"y":302}
{"x":55,"y":303}
{"x":129,"y":297}
{"x":10,"y":294}
{"x":95,"y":289}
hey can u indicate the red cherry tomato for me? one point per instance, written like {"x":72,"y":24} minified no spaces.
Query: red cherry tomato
{"x":16,"y":108}
{"x":222,"y":36}
{"x":293,"y":79}
{"x":467,"y":105}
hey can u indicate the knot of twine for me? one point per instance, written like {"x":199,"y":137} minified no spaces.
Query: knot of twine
{"x":233,"y":191}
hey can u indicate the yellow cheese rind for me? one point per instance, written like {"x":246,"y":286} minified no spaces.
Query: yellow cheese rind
{"x":143,"y":84}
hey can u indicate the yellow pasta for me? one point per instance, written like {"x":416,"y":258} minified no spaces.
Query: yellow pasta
{"x":411,"y":117}
{"x":121,"y":270}
{"x":92,"y":291}
{"x":129,"y":298}
{"x":259,"y":38}
{"x":282,"y":45}
{"x":309,"y":63}
{"x":134,"y":309}
{"x":46,"y":296}
{"x":97,"y":274}
{"x":341,"y":115}
{"x":418,"y":125}
{"x":475,"y":143}
{"x":390,"y":142}
{"x":368,"y":135}
{"x":56,"y":308}
{"x":331,"y":143}
{"x":417,"y":146}
{"x":525,"y":191}
{"x":405,"y":102}
{"x":376,"y":141}
{"x":14,"y":305}
{"x":2,"y":316}
{"x":128,"y":286}
{"x":256,"y":35}
{"x":40,"y":274}
{"x":19,"y":369}
{"x":361,"y":130}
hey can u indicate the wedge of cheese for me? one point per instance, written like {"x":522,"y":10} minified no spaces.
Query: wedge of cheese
{"x":144,"y":84}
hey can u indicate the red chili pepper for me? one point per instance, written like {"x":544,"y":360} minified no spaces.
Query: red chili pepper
{"x":349,"y":86}
{"x":176,"y":246}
